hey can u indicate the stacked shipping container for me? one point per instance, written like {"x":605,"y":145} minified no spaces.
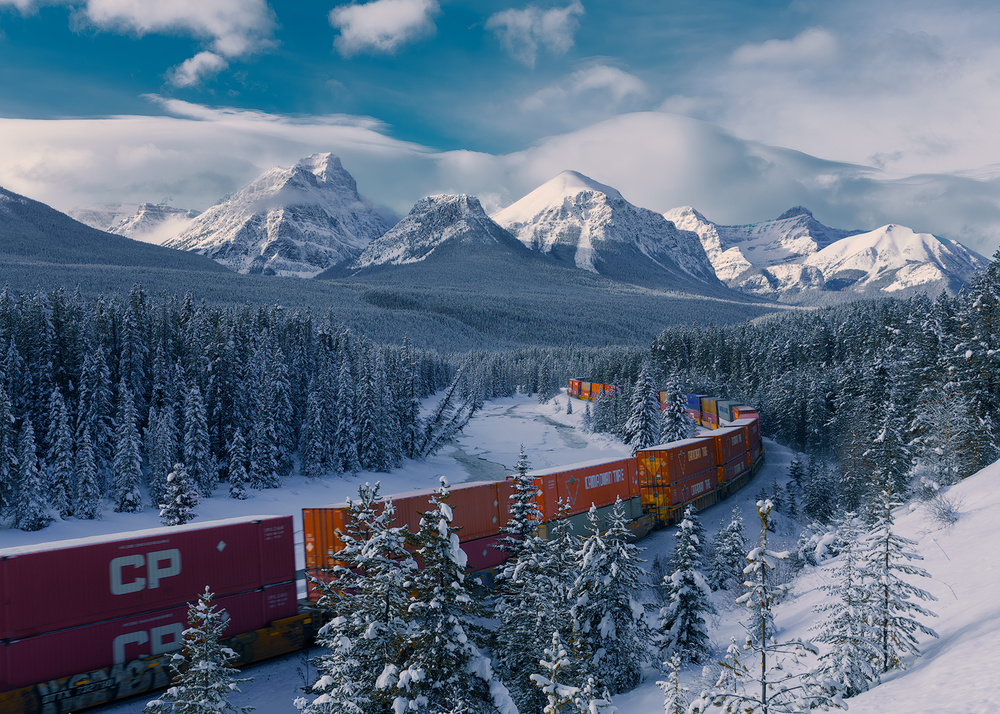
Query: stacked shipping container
{"x":129,"y":595}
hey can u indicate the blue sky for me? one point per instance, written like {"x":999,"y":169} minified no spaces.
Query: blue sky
{"x":867,"y":112}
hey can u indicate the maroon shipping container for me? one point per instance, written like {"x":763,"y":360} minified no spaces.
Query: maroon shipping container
{"x":756,"y":453}
{"x":599,"y":483}
{"x":695,"y":415}
{"x":730,"y":442}
{"x":693,"y":487}
{"x":483,"y":554}
{"x":709,"y":420}
{"x":751,"y":425}
{"x":83,"y":649}
{"x":114,"y":576}
{"x":735,"y":468}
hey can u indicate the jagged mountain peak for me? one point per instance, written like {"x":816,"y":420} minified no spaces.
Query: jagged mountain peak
{"x":289,"y":221}
{"x":795,"y":212}
{"x":433,"y":223}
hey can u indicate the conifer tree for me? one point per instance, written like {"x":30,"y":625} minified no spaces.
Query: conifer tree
{"x":763,"y":675}
{"x":445,"y":669}
{"x":180,"y":498}
{"x":347,"y":457}
{"x":644,"y":424}
{"x":128,"y":461}
{"x":887,"y":557}
{"x":846,"y":624}
{"x":238,"y":466}
{"x":88,"y":493}
{"x":203,"y":677}
{"x":562,"y":698}
{"x":675,"y":699}
{"x":524,"y":514}
{"x":728,"y":555}
{"x":675,"y":424}
{"x":197,"y":451}
{"x":609,"y":626}
{"x":9,"y":476}
{"x":161,"y":451}
{"x":312,"y":445}
{"x":682,"y":629}
{"x":61,"y":473}
{"x":32,"y":513}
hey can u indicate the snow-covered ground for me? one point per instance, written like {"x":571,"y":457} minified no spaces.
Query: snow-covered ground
{"x":955,"y":674}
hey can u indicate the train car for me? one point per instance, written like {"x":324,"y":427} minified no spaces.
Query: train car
{"x":694,"y":407}
{"x":598,"y":483}
{"x":709,"y":412}
{"x":128,"y":609}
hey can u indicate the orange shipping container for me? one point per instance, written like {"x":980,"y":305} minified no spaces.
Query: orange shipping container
{"x":676,"y":461}
{"x":730,"y":442}
{"x":599,"y":483}
{"x":708,"y":404}
{"x":693,"y":487}
{"x":742,"y":412}
{"x":735,"y":468}
{"x":751,"y":425}
{"x":709,"y":420}
{"x":320,"y":526}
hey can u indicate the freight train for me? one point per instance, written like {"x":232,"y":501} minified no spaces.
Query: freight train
{"x":86,"y":622}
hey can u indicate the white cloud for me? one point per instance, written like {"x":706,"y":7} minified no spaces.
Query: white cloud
{"x":202,"y":66}
{"x":525,"y":32}
{"x":382,"y":25}
{"x":812,"y":46}
{"x":611,"y":82}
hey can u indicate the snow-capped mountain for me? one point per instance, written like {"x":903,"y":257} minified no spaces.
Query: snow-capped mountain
{"x":153,"y":223}
{"x":434,"y":225}
{"x":796,"y":258}
{"x":103,"y":218}
{"x":581,"y":222}
{"x":295,"y":222}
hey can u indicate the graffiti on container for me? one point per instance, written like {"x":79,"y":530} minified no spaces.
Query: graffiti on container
{"x":101,"y":686}
{"x":605,"y":479}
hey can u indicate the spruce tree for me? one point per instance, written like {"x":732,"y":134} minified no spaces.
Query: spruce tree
{"x":445,"y":668}
{"x":32,"y":511}
{"x":682,"y":629}
{"x":61,"y":472}
{"x":88,"y":493}
{"x":609,"y":626}
{"x":846,"y":625}
{"x":238,"y":466}
{"x":9,"y":476}
{"x":524,"y":514}
{"x":764,"y":675}
{"x":887,"y":557}
{"x":562,"y":698}
{"x":728,"y":555}
{"x":368,"y":597}
{"x":644,"y":424}
{"x":675,"y":424}
{"x":179,"y":499}
{"x":203,"y":677}
{"x":675,"y":699}
{"x":128,"y":461}
{"x":197,"y":450}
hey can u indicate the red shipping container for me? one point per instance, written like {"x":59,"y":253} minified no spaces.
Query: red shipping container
{"x":756,"y":453}
{"x":82,"y":649}
{"x":709,"y":420}
{"x":114,"y":576}
{"x":475,"y":508}
{"x":743,"y":412}
{"x":734,"y":469}
{"x":751,"y":425}
{"x":505,"y":489}
{"x":676,"y":461}
{"x":730,"y":442}
{"x":599,"y":483}
{"x":693,"y":487}
{"x":695,"y":414}
{"x":483,"y":554}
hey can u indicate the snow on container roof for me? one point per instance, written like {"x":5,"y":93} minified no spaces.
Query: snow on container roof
{"x":574,"y":467}
{"x":676,"y":444}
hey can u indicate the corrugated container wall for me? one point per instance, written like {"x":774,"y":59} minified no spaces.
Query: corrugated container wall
{"x":676,"y":461}
{"x":734,"y":469}
{"x":752,"y":428}
{"x":579,"y":485}
{"x":724,"y":408}
{"x":149,"y":570}
{"x":78,"y":650}
{"x":730,"y":442}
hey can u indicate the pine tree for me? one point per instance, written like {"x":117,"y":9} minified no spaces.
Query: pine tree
{"x":728,"y":555}
{"x":312,"y":445}
{"x":9,"y":477}
{"x":444,"y":669}
{"x":561,"y":698}
{"x":674,"y":695}
{"x":846,"y":624}
{"x":238,"y":466}
{"x":128,"y":462}
{"x":524,"y":514}
{"x":682,"y":628}
{"x":644,"y":424}
{"x":203,"y":677}
{"x":609,"y":626}
{"x":347,"y":458}
{"x":32,"y":513}
{"x":368,"y":596}
{"x":180,"y":498}
{"x":61,"y":473}
{"x":161,"y":451}
{"x":764,"y":675}
{"x":675,"y":424}
{"x":887,"y":557}
{"x":88,"y":492}
{"x":197,"y":449}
